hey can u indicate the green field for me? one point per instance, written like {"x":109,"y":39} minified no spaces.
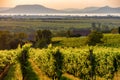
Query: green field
{"x":66,"y":58}
{"x":110,"y":40}
{"x":67,"y":63}
{"x":30,"y":25}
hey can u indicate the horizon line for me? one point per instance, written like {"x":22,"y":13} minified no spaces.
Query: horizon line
{"x":63,"y":8}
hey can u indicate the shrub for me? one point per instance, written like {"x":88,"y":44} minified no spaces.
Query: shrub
{"x":94,"y":38}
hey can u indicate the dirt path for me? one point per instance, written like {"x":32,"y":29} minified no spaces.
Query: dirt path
{"x":14,"y":72}
{"x":5,"y":71}
{"x":38,"y":71}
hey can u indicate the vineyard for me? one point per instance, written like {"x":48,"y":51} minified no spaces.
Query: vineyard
{"x":110,"y":40}
{"x":7,"y":59}
{"x":53,"y":63}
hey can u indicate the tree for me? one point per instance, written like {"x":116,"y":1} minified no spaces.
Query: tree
{"x":9,"y":40}
{"x":43,"y":38}
{"x":119,"y":30}
{"x":93,"y":26}
{"x":41,"y":43}
{"x":21,"y":35}
{"x":46,"y":34}
{"x":38,"y":35}
{"x":68,"y":33}
{"x":94,"y":38}
{"x":5,"y":37}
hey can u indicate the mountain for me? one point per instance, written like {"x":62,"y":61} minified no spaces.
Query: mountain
{"x":34,"y":9}
{"x":30,"y":9}
{"x":106,"y":9}
{"x":89,"y":9}
{"x":81,"y":10}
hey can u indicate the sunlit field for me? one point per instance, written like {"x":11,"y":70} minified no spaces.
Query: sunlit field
{"x":65,"y":57}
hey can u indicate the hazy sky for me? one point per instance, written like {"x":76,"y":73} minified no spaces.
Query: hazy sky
{"x":62,"y":4}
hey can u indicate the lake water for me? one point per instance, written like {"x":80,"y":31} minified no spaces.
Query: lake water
{"x":61,"y":14}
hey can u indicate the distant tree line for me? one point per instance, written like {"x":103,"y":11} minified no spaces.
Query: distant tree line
{"x":10,"y":40}
{"x":42,"y":38}
{"x":104,"y":28}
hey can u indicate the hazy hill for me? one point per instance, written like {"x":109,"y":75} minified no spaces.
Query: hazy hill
{"x":89,"y":9}
{"x":106,"y":9}
{"x":42,"y":9}
{"x":81,"y":10}
{"x":30,"y":9}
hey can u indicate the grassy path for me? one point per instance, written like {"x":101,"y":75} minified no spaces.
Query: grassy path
{"x":26,"y":68}
{"x":44,"y":77}
{"x":4,"y":72}
{"x":71,"y":77}
{"x":38,"y":71}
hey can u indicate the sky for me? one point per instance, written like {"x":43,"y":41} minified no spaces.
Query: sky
{"x":62,"y":4}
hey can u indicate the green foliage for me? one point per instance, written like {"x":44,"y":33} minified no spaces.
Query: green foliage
{"x":8,"y":57}
{"x":21,"y":35}
{"x":11,"y":41}
{"x":94,"y":38}
{"x":41,"y":43}
{"x":69,"y":42}
{"x":43,"y":38}
{"x":5,"y":37}
{"x":27,"y":71}
{"x":46,"y":34}
{"x":69,"y":33}
{"x":119,"y":30}
{"x":93,"y":25}
{"x":38,"y":35}
{"x":64,"y":78}
{"x":111,"y":40}
{"x":14,"y":72}
{"x":58,"y":64}
{"x":83,"y":63}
